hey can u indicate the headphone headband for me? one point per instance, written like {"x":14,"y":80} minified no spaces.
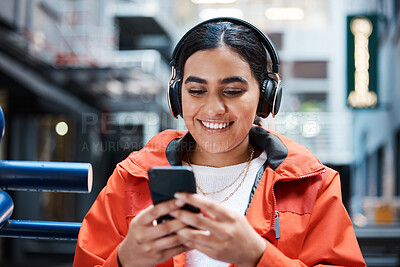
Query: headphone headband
{"x":263,"y":38}
{"x":270,"y":88}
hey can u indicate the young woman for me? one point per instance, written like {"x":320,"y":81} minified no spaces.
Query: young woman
{"x":264,"y":199}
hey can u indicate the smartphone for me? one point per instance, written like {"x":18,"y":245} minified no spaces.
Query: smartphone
{"x":164,"y":182}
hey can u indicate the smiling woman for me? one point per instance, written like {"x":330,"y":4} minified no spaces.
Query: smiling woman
{"x":264,"y":200}
{"x":219,"y":104}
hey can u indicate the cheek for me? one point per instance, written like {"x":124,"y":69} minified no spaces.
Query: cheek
{"x":185,"y":106}
{"x":249,"y":105}
{"x":189,"y":107}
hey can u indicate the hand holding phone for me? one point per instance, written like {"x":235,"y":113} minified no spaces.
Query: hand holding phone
{"x":164,"y":182}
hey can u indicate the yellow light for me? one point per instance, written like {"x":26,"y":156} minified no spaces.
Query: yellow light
{"x":284,"y":13}
{"x":213,"y":1}
{"x":62,"y":128}
{"x":361,"y":28}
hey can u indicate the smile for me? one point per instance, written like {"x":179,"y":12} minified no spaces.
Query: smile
{"x":216,"y":125}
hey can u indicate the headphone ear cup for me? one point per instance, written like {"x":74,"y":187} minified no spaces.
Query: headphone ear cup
{"x":277,"y":99}
{"x":175,"y":97}
{"x":269,"y":103}
{"x":264,"y":108}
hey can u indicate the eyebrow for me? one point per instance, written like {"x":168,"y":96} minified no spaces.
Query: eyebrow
{"x":195,"y":80}
{"x":233,"y":79}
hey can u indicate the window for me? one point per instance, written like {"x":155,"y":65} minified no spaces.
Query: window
{"x":371,"y":174}
{"x":397,"y":163}
{"x":310,"y":69}
{"x":375,"y":172}
{"x":380,"y":171}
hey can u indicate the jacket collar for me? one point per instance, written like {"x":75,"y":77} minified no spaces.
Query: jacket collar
{"x":153,"y":154}
{"x":259,"y":138}
{"x":284,"y":156}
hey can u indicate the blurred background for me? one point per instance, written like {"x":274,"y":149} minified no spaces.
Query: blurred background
{"x":86,"y":81}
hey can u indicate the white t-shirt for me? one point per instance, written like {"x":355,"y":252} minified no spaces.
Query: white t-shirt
{"x":211,"y":179}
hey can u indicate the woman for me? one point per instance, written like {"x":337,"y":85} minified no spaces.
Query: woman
{"x":264,"y":199}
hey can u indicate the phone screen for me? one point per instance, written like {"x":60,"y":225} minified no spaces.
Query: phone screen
{"x":164,"y":182}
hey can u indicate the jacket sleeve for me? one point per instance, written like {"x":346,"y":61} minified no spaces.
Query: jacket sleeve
{"x":330,"y":239}
{"x":104,"y":227}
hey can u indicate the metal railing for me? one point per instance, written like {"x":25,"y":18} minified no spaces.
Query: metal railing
{"x":40,"y":176}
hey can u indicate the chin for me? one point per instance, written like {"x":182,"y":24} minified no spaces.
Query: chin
{"x":214,"y":147}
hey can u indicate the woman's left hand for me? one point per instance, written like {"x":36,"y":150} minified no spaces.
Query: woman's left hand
{"x":220,"y":233}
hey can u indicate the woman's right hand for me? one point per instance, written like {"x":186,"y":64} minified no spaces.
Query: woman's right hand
{"x":147,"y":244}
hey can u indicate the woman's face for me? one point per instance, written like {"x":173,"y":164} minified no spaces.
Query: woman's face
{"x":219,"y":99}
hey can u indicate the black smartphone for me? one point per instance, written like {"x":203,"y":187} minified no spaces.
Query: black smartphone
{"x":164,"y":182}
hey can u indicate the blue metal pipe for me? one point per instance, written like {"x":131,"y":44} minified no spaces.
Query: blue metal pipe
{"x":6,"y":207}
{"x":46,"y":176}
{"x":41,"y":230}
{"x":2,"y":123}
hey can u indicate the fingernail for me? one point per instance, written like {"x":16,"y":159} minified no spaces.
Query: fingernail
{"x":173,"y":213}
{"x":178,"y":195}
{"x":179,"y":202}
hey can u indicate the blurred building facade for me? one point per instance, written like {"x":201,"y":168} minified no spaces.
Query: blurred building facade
{"x":101,"y":66}
{"x":98,"y":67}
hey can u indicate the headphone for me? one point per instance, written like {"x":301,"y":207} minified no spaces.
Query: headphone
{"x":270,"y":88}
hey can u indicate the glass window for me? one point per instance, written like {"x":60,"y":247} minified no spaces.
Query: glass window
{"x":397,"y":163}
{"x":380,"y":171}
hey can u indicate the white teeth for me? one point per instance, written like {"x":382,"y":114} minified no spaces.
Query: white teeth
{"x":212,"y":125}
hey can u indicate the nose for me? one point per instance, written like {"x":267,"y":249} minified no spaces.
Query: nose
{"x":214,"y":105}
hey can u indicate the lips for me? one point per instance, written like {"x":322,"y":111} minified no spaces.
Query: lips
{"x":216,"y":125}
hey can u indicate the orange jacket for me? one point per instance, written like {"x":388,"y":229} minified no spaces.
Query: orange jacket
{"x":295,"y":205}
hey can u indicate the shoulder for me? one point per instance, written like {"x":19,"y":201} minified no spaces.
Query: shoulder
{"x":161,"y":140}
{"x":285,"y":156}
{"x":152,"y":154}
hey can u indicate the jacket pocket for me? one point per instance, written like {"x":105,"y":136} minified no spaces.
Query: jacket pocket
{"x":298,"y":196}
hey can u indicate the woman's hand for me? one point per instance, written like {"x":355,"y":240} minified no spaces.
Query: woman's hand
{"x":220,"y":233}
{"x":149,"y":245}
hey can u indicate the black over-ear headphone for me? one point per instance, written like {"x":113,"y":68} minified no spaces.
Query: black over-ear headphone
{"x":270,"y":88}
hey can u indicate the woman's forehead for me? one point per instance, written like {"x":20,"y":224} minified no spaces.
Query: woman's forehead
{"x":222,"y":61}
{"x":217,"y":64}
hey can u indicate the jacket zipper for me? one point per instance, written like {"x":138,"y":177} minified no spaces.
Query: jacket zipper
{"x":277,"y":230}
{"x":275,"y":219}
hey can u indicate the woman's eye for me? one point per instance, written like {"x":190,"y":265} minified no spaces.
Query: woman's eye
{"x":196,"y":92}
{"x":233,"y":92}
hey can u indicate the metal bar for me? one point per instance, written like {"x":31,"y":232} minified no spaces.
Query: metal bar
{"x":42,"y":88}
{"x":378,"y":236}
{"x":41,"y":230}
{"x":46,"y":176}
{"x":6,"y":207}
{"x":2,"y":123}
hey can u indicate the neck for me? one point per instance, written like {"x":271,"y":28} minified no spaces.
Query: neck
{"x":237,"y":155}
